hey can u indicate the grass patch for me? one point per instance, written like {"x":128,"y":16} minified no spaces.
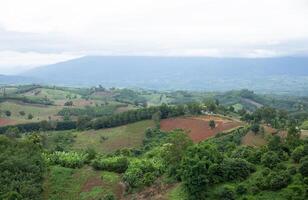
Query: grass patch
{"x":176,"y":193}
{"x":79,"y":184}
{"x":39,"y":112}
{"x":112,"y":139}
{"x":304,"y":126}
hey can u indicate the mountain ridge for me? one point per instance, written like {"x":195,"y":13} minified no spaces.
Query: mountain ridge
{"x":174,"y":72}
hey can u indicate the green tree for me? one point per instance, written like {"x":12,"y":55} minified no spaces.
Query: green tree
{"x":255,"y":128}
{"x":293,"y":137}
{"x":196,"y":175}
{"x":270,"y":159}
{"x":212,"y":124}
{"x":8,"y":113}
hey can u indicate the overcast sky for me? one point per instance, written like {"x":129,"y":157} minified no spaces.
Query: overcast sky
{"x":39,"y":32}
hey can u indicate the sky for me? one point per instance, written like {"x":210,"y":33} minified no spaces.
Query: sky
{"x":41,"y":32}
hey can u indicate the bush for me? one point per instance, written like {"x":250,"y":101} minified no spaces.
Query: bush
{"x":226,"y":193}
{"x":196,"y":173}
{"x":142,"y":173}
{"x":298,"y":153}
{"x":66,"y":159}
{"x":270,"y":159}
{"x":248,"y":153}
{"x":241,"y":189}
{"x":295,"y":192}
{"x":231,"y":169}
{"x":117,"y":164}
{"x":30,"y":116}
{"x":8,"y":113}
{"x":272,"y":180}
{"x":21,"y":169}
{"x":303,"y":169}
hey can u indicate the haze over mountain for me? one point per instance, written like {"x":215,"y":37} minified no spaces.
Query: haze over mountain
{"x":200,"y":73}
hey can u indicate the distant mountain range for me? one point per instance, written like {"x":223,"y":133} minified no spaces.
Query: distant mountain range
{"x":13,"y":80}
{"x":281,"y":74}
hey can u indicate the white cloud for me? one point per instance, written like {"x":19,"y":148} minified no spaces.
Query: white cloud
{"x":156,"y":27}
{"x":12,"y":62}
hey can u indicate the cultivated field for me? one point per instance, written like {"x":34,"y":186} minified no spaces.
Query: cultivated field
{"x":112,"y":139}
{"x":198,"y":127}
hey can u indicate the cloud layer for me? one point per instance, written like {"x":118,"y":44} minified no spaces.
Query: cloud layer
{"x":69,"y":28}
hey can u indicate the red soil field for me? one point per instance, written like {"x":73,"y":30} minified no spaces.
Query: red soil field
{"x":5,"y":122}
{"x":198,"y":128}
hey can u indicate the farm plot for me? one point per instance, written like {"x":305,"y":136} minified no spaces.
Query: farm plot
{"x":112,"y":139}
{"x":198,"y":127}
{"x":38,"y":112}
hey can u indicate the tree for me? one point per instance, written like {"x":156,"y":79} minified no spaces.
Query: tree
{"x":176,"y":144}
{"x":22,"y":113}
{"x":195,"y":171}
{"x":255,"y":128}
{"x":68,"y":103}
{"x":226,"y":193}
{"x":212,"y":124}
{"x":293,"y":137}
{"x":8,"y":113}
{"x":30,"y":116}
{"x":298,"y":153}
{"x":303,"y":169}
{"x":270,"y":159}
{"x":156,"y":119}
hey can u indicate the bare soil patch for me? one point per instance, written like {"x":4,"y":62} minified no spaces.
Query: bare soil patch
{"x":198,"y":128}
{"x":254,"y":140}
{"x":6,"y":122}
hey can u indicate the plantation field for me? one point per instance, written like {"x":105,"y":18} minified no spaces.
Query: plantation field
{"x":39,"y":112}
{"x":198,"y":127}
{"x":80,"y":184}
{"x":54,"y":94}
{"x":112,"y":139}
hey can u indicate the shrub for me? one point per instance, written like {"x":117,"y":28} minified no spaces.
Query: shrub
{"x":22,"y":113}
{"x":226,"y":193}
{"x":303,"y":169}
{"x":296,"y":192}
{"x":298,"y":153}
{"x":66,"y":159}
{"x":241,"y":189}
{"x":30,"y":116}
{"x":8,"y":113}
{"x":270,"y":159}
{"x":117,"y":164}
{"x":142,"y":173}
{"x":277,"y":180}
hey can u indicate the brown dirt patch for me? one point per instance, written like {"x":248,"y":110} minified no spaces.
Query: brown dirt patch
{"x":198,"y":128}
{"x":92,"y":182}
{"x":156,"y":191}
{"x":6,"y":122}
{"x":304,"y":133}
{"x":254,"y":140}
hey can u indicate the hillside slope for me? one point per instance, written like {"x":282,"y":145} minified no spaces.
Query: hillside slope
{"x":260,"y":74}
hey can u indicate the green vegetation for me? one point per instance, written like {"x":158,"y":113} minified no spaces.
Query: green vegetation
{"x":22,"y":169}
{"x":93,"y":150}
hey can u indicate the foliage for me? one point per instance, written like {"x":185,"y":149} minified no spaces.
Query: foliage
{"x":270,"y":159}
{"x":212,"y":124}
{"x":113,"y":164}
{"x":65,"y":159}
{"x":196,"y":174}
{"x":142,"y":172}
{"x":22,"y":168}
